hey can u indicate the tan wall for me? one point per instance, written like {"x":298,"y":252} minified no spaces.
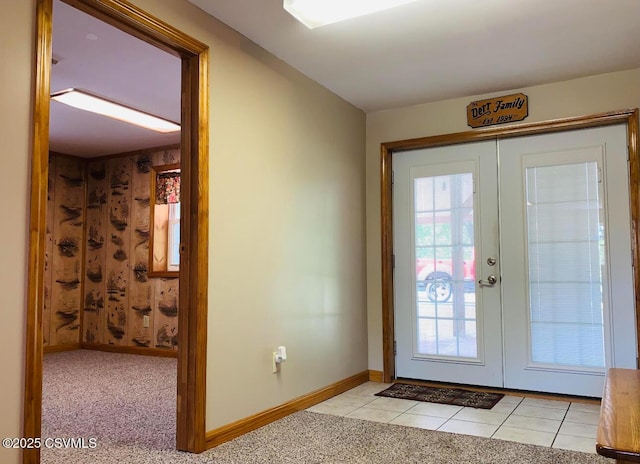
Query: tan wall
{"x":287,"y":222}
{"x":577,"y":97}
{"x":17,"y":38}
{"x":287,"y":241}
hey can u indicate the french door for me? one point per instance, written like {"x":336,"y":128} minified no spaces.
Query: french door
{"x":513,"y":262}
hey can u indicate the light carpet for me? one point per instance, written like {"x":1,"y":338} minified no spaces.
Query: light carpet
{"x":133,"y":420}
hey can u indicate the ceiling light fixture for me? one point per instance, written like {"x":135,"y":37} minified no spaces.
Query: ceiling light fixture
{"x":316,"y":13}
{"x":85,"y":101}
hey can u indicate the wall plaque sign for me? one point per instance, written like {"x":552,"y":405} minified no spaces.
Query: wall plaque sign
{"x":499,"y":110}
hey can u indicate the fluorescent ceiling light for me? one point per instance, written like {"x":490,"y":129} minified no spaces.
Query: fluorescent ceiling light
{"x":315,"y":13}
{"x":85,"y":101}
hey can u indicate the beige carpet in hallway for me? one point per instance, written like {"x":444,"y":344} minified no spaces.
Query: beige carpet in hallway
{"x":127,"y":403}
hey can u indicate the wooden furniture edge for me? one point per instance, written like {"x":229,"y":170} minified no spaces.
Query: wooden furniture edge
{"x":242,"y":426}
{"x":620,"y":400}
{"x":620,"y":456}
{"x":375,"y":376}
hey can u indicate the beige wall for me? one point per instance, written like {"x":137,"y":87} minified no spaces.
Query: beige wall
{"x":287,"y":238}
{"x":16,"y":36}
{"x":287,"y":192}
{"x":577,"y":97}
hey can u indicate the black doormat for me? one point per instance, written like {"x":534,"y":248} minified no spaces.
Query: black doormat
{"x":456,"y":396}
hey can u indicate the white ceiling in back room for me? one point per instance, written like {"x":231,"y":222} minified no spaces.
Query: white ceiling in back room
{"x":430,"y":50}
{"x":94,"y":56}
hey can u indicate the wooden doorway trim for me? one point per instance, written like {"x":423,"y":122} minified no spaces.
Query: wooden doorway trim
{"x":192,"y":318}
{"x":630,"y":117}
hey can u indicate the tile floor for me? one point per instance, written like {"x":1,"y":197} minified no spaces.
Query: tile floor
{"x":558,"y":424}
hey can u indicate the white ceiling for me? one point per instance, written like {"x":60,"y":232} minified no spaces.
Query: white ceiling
{"x":425,"y":51}
{"x":432,"y":50}
{"x":105,"y":61}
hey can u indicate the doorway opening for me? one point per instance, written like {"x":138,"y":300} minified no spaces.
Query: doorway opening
{"x":538,"y":220}
{"x":192,"y":296}
{"x":630,"y":118}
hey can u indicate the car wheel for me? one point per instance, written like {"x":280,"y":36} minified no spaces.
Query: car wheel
{"x":438,"y":287}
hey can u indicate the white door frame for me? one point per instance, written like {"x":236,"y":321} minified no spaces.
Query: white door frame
{"x":629,"y":117}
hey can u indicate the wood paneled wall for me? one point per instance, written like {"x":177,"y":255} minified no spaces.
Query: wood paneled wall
{"x":113,"y":259}
{"x":64,"y":251}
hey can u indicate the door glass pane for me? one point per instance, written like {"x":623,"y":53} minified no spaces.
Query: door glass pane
{"x":445,"y":266}
{"x":566,"y":260}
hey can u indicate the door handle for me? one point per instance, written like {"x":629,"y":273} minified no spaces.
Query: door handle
{"x":491,"y":281}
